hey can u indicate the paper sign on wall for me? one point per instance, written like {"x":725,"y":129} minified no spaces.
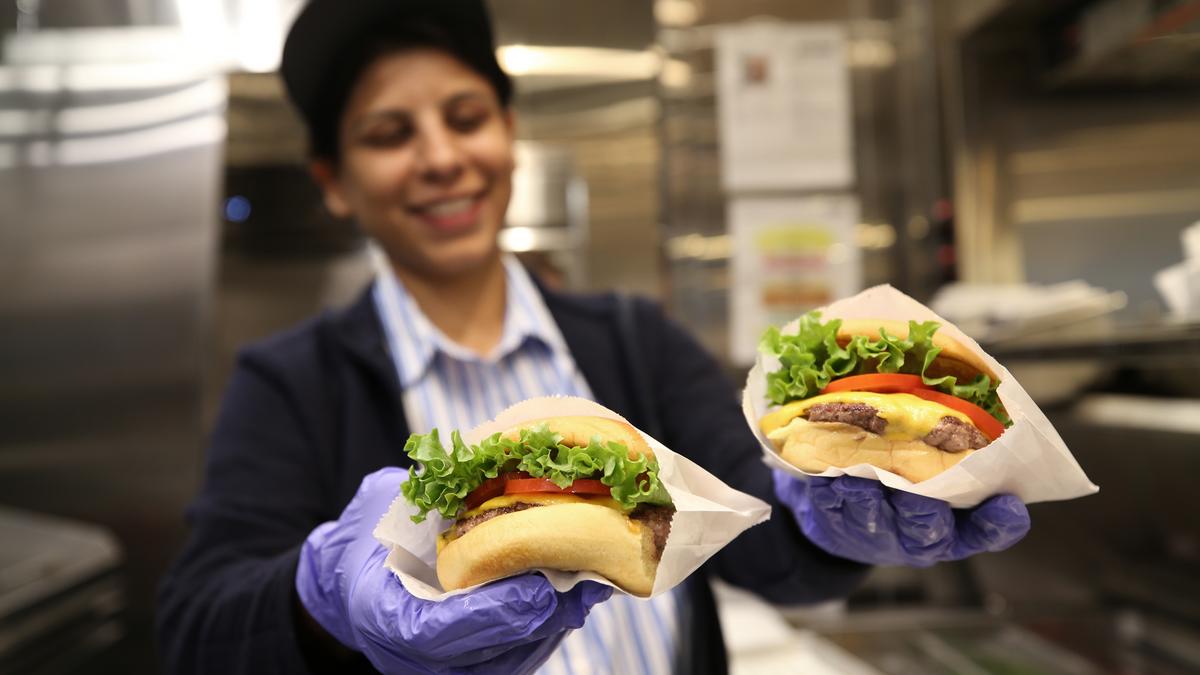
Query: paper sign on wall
{"x":784,"y":107}
{"x":789,"y":254}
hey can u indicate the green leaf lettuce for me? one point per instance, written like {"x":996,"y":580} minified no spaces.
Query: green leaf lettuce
{"x":811,"y":358}
{"x":444,"y":477}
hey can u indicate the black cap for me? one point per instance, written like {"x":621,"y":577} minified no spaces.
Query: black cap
{"x":327,"y":32}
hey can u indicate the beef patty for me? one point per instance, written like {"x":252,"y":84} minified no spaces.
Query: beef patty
{"x":465,"y":525}
{"x":954,"y":435}
{"x":951,"y":434}
{"x":859,"y":414}
{"x":656,"y":518}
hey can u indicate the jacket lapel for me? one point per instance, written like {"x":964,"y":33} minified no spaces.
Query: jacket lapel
{"x":358,"y":330}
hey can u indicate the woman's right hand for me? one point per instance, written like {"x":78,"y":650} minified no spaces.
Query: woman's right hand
{"x":509,"y":626}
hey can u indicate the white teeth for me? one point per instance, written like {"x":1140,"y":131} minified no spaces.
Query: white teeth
{"x":451,"y":208}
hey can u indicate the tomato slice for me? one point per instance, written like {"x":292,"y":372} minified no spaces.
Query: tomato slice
{"x":519,"y":482}
{"x":582,"y":486}
{"x":884,"y":383}
{"x":990,"y":426}
{"x":492,"y":487}
{"x":589,"y":486}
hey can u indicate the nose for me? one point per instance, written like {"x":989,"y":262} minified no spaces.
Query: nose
{"x":440,"y":159}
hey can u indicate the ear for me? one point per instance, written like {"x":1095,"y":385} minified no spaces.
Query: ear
{"x":325,"y":174}
{"x":510,"y":121}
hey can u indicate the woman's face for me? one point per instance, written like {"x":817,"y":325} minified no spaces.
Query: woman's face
{"x":426,"y":162}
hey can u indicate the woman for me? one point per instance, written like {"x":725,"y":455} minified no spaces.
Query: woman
{"x":411,"y":135}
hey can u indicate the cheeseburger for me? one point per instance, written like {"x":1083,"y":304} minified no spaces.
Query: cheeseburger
{"x":899,"y":397}
{"x":564,"y":493}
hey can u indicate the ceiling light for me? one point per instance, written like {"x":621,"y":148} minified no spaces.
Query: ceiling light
{"x":676,"y":13}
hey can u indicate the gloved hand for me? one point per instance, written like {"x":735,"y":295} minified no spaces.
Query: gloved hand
{"x":509,"y":626}
{"x":864,"y":520}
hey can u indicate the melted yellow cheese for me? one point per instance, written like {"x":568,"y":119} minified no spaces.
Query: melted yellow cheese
{"x":907,"y":416}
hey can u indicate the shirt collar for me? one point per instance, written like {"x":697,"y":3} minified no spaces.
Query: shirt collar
{"x":414,"y":342}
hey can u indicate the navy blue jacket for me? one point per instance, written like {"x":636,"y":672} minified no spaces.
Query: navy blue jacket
{"x":309,"y":412}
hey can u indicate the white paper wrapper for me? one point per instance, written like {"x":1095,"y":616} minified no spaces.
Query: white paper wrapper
{"x":1029,"y":460}
{"x":709,"y":513}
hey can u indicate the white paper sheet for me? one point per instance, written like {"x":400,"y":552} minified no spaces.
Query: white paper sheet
{"x":783,"y":95}
{"x":709,"y":514}
{"x":1029,"y":460}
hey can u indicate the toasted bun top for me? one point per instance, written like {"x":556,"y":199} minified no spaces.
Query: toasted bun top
{"x":578,"y":431}
{"x":954,"y":359}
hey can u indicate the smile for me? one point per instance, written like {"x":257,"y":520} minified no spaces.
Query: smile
{"x":451,"y":215}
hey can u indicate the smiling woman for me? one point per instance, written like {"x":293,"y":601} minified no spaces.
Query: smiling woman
{"x":425,"y":165}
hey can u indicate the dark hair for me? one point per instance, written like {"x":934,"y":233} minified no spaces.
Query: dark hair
{"x":325,"y":119}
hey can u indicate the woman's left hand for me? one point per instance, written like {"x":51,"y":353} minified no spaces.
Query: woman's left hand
{"x":864,"y":520}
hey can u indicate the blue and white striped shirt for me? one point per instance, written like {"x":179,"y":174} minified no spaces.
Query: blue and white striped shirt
{"x":447,"y":386}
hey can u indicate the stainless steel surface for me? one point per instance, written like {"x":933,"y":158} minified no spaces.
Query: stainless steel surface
{"x":60,"y":598}
{"x":109,"y":166}
{"x":547,"y":219}
{"x":609,"y":134}
{"x":1056,"y":182}
{"x":1126,"y":342}
{"x":1125,"y":41}
{"x":618,"y":24}
{"x":955,"y":642}
{"x":53,"y":14}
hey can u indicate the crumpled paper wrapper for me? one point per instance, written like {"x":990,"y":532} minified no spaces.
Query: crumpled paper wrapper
{"x":1029,"y":460}
{"x":709,"y":514}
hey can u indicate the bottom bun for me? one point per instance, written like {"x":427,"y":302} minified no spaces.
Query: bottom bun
{"x":816,"y":446}
{"x":569,"y":537}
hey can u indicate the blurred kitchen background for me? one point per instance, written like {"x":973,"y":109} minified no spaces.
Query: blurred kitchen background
{"x":1028,"y":167}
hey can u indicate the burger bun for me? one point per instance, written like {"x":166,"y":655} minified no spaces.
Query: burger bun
{"x":580,"y":430}
{"x":569,"y":537}
{"x":816,"y":446}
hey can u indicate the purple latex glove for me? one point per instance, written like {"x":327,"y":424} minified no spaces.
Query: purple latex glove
{"x":508,"y":626}
{"x":864,"y":520}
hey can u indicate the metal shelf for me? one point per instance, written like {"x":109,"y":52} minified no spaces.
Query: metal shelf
{"x":1156,"y":341}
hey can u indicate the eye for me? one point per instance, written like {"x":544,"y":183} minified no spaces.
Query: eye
{"x":387,"y":133}
{"x":467,"y":116}
{"x":466,"y":122}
